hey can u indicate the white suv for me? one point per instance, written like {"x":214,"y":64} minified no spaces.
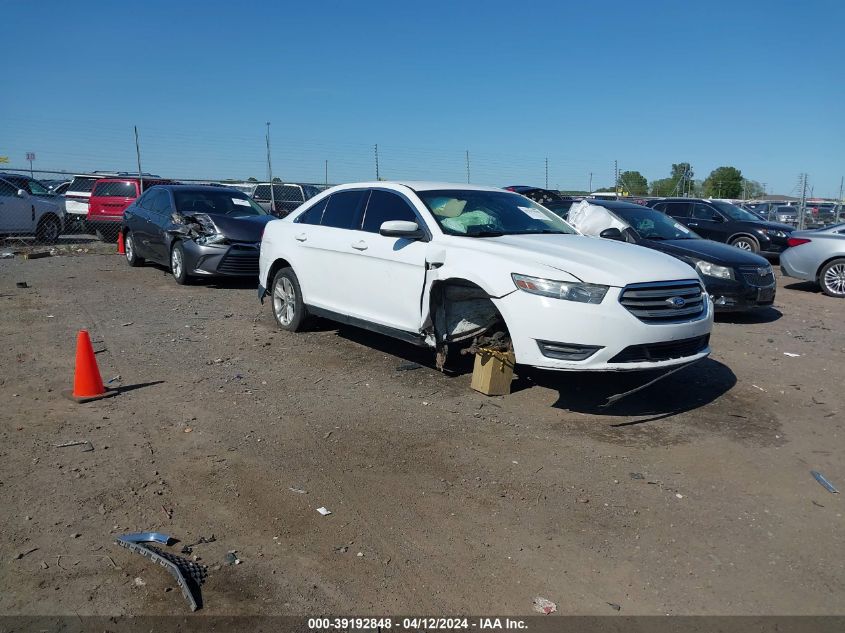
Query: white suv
{"x":436,"y":263}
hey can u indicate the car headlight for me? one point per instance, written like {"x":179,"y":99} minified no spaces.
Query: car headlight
{"x":567,"y":290}
{"x":210,"y":233}
{"x":712,"y":270}
{"x":778,"y":233}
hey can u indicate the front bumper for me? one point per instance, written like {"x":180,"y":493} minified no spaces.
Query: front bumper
{"x":533,"y":321}
{"x":228,"y":260}
{"x":739,"y":296}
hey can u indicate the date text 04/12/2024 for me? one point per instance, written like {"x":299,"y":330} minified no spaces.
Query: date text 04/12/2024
{"x":416,"y":623}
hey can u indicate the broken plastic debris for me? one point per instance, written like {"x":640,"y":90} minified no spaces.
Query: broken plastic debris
{"x":544,"y":606}
{"x":760,"y":388}
{"x":298,"y":491}
{"x":824,"y":482}
{"x":791,"y":355}
{"x":679,"y":495}
{"x":324,"y":511}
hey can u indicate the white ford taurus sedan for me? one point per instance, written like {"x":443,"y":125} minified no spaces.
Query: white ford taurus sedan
{"x":442,"y":265}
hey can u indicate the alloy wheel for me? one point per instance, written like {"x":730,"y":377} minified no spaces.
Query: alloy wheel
{"x":284,"y":301}
{"x":834,"y":279}
{"x":129,"y":247}
{"x":176,"y":262}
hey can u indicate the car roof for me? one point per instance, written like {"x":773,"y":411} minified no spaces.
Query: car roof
{"x":176,"y":186}
{"x":419,"y":185}
{"x":613,"y":205}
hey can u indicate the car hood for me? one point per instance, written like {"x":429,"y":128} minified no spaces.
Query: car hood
{"x":771,"y":226}
{"x":589,"y":259}
{"x":246,"y":228}
{"x":708,"y":250}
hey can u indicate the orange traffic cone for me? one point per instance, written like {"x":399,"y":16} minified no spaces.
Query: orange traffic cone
{"x":120,"y":248}
{"x":87,"y":382}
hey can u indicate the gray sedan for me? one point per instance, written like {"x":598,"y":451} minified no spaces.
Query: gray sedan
{"x":818,"y":256}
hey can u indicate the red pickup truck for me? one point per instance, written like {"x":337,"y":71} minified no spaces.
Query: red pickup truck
{"x":110,"y":198}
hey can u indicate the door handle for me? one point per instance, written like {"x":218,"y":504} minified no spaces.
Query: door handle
{"x":301,"y":237}
{"x":360,"y":245}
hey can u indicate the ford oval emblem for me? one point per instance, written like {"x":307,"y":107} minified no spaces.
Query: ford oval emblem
{"x":676,"y":302}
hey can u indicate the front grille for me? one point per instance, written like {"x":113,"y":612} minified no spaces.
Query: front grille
{"x":752,"y":275}
{"x":241,"y":259}
{"x":653,"y":352}
{"x":664,"y":301}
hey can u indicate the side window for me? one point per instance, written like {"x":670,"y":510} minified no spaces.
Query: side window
{"x":342,"y":211}
{"x":677,"y":209}
{"x":288,"y":193}
{"x":144,"y":200}
{"x":314,"y":214}
{"x":384,"y":206}
{"x":7,"y":190}
{"x":262,"y":192}
{"x":703,"y":212}
{"x":150,"y":199}
{"x":162,"y":203}
{"x":660,"y":206}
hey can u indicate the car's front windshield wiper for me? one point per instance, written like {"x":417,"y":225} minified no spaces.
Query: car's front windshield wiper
{"x":484,"y":234}
{"x":541,"y":232}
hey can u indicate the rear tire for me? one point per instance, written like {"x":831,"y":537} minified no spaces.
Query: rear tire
{"x":286,"y":299}
{"x":746,"y":243}
{"x":49,"y":229}
{"x":832,"y":278}
{"x":131,"y":250}
{"x":177,"y":265}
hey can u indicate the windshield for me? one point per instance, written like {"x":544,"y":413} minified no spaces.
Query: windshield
{"x":221,"y":202}
{"x":653,"y":225}
{"x":734,"y":212}
{"x":490,"y":213}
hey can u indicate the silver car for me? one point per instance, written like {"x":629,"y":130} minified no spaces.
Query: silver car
{"x":819,"y":256}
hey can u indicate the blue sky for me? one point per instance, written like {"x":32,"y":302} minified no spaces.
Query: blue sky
{"x":757,"y":85}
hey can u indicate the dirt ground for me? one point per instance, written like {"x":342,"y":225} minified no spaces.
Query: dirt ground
{"x":693,"y":496}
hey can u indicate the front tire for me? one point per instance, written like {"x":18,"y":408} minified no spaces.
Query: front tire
{"x":288,"y":307}
{"x":746,"y":243}
{"x":131,"y":250}
{"x":177,"y":265}
{"x":49,"y":230}
{"x":832,"y":278}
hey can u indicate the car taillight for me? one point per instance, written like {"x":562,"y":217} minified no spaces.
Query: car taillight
{"x":796,"y":241}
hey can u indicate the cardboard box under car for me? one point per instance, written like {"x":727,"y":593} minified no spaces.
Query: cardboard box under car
{"x":493,"y":372}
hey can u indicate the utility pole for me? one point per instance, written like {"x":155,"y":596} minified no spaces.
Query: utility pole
{"x":377,"y":176}
{"x":547,"y":172}
{"x":30,"y":156}
{"x":270,"y":173}
{"x":802,"y":209}
{"x":590,"y":186}
{"x":138,"y":156}
{"x":616,"y":177}
{"x":839,"y":201}
{"x":327,"y":172}
{"x":467,"y":166}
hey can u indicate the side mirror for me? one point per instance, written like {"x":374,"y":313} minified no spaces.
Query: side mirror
{"x":21,"y":193}
{"x":718,"y":218}
{"x":401,"y":228}
{"x":612,"y":234}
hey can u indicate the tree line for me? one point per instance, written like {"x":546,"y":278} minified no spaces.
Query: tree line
{"x":723,"y":182}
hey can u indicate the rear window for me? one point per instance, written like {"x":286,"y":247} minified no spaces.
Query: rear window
{"x":82,"y":184}
{"x":121,"y":189}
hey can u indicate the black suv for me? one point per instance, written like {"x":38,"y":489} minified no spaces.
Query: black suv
{"x":724,"y":222}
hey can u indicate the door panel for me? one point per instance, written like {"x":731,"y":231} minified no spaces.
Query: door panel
{"x":15,"y":213}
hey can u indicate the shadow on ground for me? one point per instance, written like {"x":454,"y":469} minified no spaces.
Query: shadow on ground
{"x":805,"y":286}
{"x":763,"y":315}
{"x":689,"y":388}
